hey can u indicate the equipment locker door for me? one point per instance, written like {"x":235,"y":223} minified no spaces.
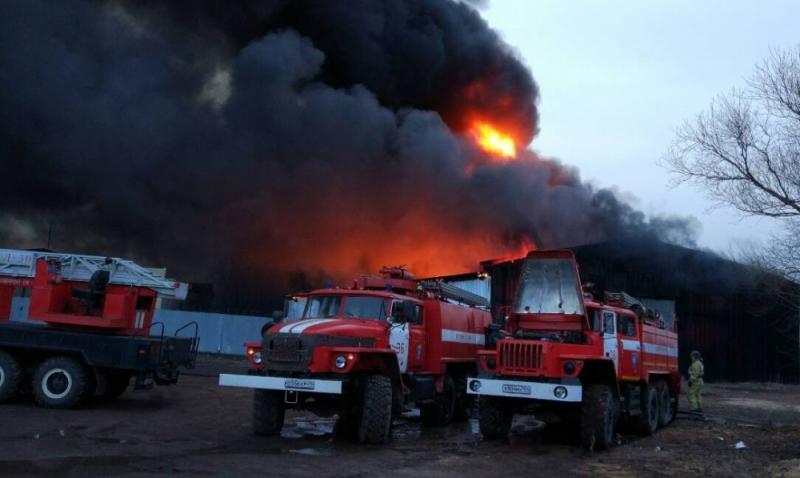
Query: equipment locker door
{"x":610,"y":341}
{"x":417,"y":347}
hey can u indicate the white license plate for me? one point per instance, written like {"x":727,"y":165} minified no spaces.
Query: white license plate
{"x":296,"y":384}
{"x":281,"y":383}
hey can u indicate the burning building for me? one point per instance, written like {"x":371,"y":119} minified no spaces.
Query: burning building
{"x":263,"y":145}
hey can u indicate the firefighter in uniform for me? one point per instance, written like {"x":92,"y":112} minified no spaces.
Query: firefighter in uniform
{"x":695,"y":382}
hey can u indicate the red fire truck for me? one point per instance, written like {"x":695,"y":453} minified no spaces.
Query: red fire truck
{"x":293,"y":307}
{"x":87,"y":330}
{"x":363,"y":352}
{"x":560,"y":352}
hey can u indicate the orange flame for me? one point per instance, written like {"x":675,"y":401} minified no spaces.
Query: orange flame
{"x":494,"y":141}
{"x":525,"y":246}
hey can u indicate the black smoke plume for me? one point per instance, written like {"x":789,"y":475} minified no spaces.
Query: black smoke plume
{"x":250,"y":142}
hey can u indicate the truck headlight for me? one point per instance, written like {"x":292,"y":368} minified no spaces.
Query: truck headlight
{"x":560,"y":392}
{"x":257,"y":358}
{"x":341,"y":361}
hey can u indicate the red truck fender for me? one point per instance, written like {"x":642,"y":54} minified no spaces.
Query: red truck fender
{"x":374,"y":360}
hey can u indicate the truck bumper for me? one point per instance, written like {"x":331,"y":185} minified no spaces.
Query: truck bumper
{"x":555,"y":392}
{"x":281,"y":383}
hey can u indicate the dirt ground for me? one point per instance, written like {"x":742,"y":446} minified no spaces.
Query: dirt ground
{"x":198,"y":428}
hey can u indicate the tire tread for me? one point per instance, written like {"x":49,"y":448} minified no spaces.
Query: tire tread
{"x":597,"y":411}
{"x":13,"y":376}
{"x":268,"y":412}
{"x":495,"y":420}
{"x":376,"y":410}
{"x":82,"y":377}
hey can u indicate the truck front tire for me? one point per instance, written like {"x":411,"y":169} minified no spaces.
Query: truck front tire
{"x":62,"y":382}
{"x":598,"y":417}
{"x":495,"y":419}
{"x":10,"y":376}
{"x":376,"y":410}
{"x":268,"y":412}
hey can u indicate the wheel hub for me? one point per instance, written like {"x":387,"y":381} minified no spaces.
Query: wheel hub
{"x":56,"y":383}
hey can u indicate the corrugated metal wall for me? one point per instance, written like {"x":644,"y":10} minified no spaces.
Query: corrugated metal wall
{"x":481,"y":287}
{"x":219,"y":333}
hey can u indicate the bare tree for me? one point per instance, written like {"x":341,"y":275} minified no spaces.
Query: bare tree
{"x":745,"y":151}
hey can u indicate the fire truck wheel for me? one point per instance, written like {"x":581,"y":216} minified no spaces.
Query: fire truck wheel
{"x":268,"y":412}
{"x":62,"y":382}
{"x":10,"y":376}
{"x":495,"y":418}
{"x":598,"y":417}
{"x":664,"y":404}
{"x":376,"y":410}
{"x":441,"y":411}
{"x":648,"y":420}
{"x":116,"y":384}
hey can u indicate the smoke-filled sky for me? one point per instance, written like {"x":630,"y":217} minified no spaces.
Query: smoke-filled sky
{"x":262,"y":138}
{"x":618,"y":77}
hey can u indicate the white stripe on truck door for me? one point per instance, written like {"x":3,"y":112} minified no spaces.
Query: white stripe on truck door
{"x":660,"y":350}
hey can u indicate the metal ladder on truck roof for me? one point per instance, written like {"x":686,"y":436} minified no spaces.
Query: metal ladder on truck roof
{"x":17,"y":263}
{"x":449,"y":291}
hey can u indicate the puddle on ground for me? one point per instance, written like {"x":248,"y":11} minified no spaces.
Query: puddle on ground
{"x":408,"y":435}
{"x":308,"y":426}
{"x":413,"y":413}
{"x":312,"y":452}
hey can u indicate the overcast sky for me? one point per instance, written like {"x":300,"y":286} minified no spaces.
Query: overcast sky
{"x":618,"y":77}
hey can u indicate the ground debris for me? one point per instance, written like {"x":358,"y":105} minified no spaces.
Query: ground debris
{"x":197,"y":428}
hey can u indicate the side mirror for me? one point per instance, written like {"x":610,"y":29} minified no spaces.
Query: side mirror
{"x":277,"y":315}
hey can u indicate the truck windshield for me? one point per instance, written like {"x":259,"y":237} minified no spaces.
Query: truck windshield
{"x":548,"y":286}
{"x":365,"y":307}
{"x":322,"y":306}
{"x":358,"y":306}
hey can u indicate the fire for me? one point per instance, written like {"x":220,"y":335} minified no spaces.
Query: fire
{"x":525,"y":246}
{"x":493,"y":140}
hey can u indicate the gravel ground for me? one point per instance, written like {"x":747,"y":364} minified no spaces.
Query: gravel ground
{"x":197,"y":428}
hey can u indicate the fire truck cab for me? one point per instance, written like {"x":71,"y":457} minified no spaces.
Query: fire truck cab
{"x":591,"y":364}
{"x":363,"y":352}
